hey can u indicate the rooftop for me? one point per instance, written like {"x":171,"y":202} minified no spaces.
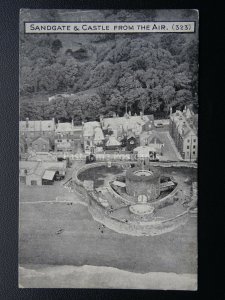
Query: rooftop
{"x":152,"y":136}
{"x":39,"y":167}
{"x":46,"y":139}
{"x":39,"y":125}
{"x":89,"y":127}
{"x":127,"y":122}
{"x":98,"y":134}
{"x":184,"y":125}
{"x":64,"y":127}
{"x":112,"y":141}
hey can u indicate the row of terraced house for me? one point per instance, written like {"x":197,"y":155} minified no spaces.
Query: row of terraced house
{"x":90,"y":137}
{"x":109,"y":134}
{"x":47,"y":136}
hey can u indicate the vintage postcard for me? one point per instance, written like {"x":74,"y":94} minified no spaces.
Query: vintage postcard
{"x":108,"y":138}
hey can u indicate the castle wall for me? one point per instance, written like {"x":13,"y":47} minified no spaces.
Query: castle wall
{"x":134,"y":228}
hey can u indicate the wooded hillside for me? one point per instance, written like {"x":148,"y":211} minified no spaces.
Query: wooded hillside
{"x":104,"y":72}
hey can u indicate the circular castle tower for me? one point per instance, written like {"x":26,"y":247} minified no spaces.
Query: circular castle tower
{"x":143,"y":182}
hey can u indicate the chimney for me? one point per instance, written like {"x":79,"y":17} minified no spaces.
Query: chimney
{"x":182,"y":130}
{"x":114,"y":115}
{"x":27,"y":122}
{"x":72,"y":123}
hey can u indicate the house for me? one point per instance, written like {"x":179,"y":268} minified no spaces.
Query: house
{"x":98,"y":136}
{"x":145,"y":153}
{"x":26,"y":168}
{"x":156,"y":143}
{"x":67,"y":136}
{"x":41,"y":144}
{"x":30,"y":129}
{"x":183,"y":130}
{"x":93,"y":137}
{"x":121,"y":125}
{"x":69,"y":128}
{"x":132,"y":141}
{"x":149,"y":125}
{"x":40,"y":172}
{"x":152,"y":139}
{"x":64,"y":143}
{"x":112,"y":143}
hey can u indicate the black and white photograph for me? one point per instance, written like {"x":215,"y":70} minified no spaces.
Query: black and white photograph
{"x":108,"y":149}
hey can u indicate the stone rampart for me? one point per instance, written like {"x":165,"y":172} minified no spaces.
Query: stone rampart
{"x":150,"y":228}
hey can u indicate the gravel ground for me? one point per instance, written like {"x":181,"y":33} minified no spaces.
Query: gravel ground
{"x":63,"y":234}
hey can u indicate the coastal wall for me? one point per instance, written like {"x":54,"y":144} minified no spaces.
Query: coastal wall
{"x":136,"y":228}
{"x":100,"y":214}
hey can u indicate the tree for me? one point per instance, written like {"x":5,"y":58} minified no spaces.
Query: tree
{"x":168,"y":95}
{"x":183,"y":97}
{"x":143,"y":99}
{"x":56,"y":45}
{"x":143,"y":71}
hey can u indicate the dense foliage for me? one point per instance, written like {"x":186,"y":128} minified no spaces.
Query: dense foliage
{"x":104,"y":73}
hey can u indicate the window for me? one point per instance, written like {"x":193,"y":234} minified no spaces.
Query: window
{"x":194,"y":140}
{"x":188,"y":141}
{"x":193,"y":146}
{"x":193,"y":152}
{"x":187,"y":147}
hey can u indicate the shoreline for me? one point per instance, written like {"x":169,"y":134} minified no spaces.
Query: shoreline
{"x":88,"y":276}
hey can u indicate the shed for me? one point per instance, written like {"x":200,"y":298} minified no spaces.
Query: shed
{"x":33,"y":179}
{"x":48,"y":177}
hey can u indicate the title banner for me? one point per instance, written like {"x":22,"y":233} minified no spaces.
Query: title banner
{"x":100,"y":27}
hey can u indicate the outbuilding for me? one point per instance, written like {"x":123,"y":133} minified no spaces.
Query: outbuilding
{"x":48,"y":177}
